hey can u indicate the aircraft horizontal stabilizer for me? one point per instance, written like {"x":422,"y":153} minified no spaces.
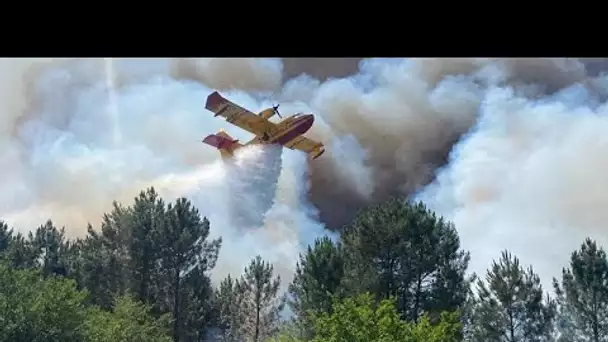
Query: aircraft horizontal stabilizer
{"x":220,"y":142}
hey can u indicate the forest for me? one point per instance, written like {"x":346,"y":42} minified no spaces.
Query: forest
{"x":398,"y":273}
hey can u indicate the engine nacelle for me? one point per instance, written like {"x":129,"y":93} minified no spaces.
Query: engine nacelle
{"x":267,"y":113}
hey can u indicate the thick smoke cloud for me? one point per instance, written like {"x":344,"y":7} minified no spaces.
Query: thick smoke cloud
{"x":527,"y":170}
{"x":406,"y":115}
{"x":529,"y":177}
{"x":80,"y":133}
{"x":492,"y":137}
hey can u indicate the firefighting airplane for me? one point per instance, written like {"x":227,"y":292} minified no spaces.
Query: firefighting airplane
{"x":287,"y":133}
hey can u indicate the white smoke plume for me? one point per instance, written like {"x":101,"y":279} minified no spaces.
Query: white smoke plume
{"x":529,"y":177}
{"x":91,"y":131}
{"x":254,"y":205}
{"x":525,"y":173}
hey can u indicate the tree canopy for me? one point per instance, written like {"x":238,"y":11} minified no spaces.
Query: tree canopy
{"x":397,"y":273}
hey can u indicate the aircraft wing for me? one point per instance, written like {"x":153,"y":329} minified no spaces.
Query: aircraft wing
{"x":237,"y":115}
{"x":313,"y":148}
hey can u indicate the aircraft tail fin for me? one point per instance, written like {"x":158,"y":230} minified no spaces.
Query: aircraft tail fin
{"x":223,"y":142}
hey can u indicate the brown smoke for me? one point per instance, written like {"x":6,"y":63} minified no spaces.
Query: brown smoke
{"x":529,"y":167}
{"x":389,"y":125}
{"x":411,"y":120}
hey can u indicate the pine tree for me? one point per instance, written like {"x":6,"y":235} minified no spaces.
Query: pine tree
{"x":196,"y":304}
{"x":147,"y":221}
{"x":261,"y":305}
{"x":97,"y":269}
{"x":403,"y":250}
{"x":511,"y":306}
{"x":128,"y":250}
{"x":21,"y":253}
{"x":103,"y":258}
{"x":467,"y":313}
{"x":184,"y":247}
{"x":159,"y":254}
{"x":107,"y":257}
{"x":6,"y":237}
{"x":583,"y":295}
{"x":51,"y":249}
{"x":565,"y":325}
{"x":15,"y":249}
{"x":229,"y":313}
{"x":317,"y":282}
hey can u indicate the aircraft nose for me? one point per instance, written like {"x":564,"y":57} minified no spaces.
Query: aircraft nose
{"x":308,"y":120}
{"x":305,"y":122}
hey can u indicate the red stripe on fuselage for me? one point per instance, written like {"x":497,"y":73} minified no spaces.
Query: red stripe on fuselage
{"x":300,"y":126}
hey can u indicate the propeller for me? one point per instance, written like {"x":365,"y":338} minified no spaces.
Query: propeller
{"x":276,"y":110}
